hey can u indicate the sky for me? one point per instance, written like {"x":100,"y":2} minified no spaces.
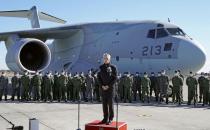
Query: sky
{"x":192,"y":16}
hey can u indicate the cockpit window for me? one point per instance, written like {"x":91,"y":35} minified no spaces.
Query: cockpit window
{"x":160,"y":25}
{"x":151,"y":34}
{"x":176,"y":31}
{"x":161,"y":33}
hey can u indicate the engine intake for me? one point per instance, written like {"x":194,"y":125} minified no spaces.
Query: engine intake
{"x":28,"y":54}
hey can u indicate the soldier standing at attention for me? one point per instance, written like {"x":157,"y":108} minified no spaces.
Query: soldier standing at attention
{"x":201,"y":81}
{"x":43,"y":86}
{"x":127,"y":83}
{"x":83,"y":87}
{"x":77,"y":83}
{"x":56,"y":86}
{"x":158,"y":85}
{"x":25,"y":82}
{"x":177,"y":83}
{"x":153,"y":86}
{"x":145,"y":83}
{"x":164,"y":84}
{"x":121,"y":87}
{"x":48,"y":86}
{"x":192,"y":83}
{"x":3,"y":86}
{"x":205,"y":90}
{"x":90,"y":86}
{"x":63,"y":80}
{"x":42,"y":77}
{"x":136,"y":86}
{"x":16,"y":86}
{"x":107,"y":78}
{"x":179,"y":71}
{"x":117,"y":87}
{"x":36,"y":82}
{"x":69,"y":87}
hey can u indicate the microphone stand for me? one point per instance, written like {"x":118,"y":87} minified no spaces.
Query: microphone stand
{"x":78,"y":115}
{"x":117,"y":112}
{"x":13,"y":125}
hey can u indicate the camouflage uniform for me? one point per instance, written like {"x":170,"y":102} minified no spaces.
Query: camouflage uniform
{"x":3,"y":87}
{"x":97,"y":89}
{"x":145,"y":83}
{"x":201,"y":81}
{"x":181,"y":86}
{"x":48,"y":88}
{"x":63,"y":80}
{"x":177,"y":83}
{"x":83,"y":87}
{"x":56,"y":87}
{"x":90,"y":87}
{"x":127,"y":83}
{"x":15,"y":87}
{"x":192,"y":89}
{"x":70,"y":88}
{"x":137,"y":87}
{"x":164,"y":84}
{"x":25,"y":83}
{"x":77,"y":83}
{"x":43,"y":96}
{"x":158,"y":87}
{"x":205,"y":91}
{"x":36,"y":82}
{"x":121,"y":88}
{"x":154,"y":86}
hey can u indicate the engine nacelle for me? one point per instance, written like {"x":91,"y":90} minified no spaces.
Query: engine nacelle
{"x":28,"y":54}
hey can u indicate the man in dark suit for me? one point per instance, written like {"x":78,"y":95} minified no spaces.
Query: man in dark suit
{"x":107,"y":78}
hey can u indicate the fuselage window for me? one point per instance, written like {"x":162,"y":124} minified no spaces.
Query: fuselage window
{"x":117,"y":58}
{"x":151,"y":34}
{"x":167,"y":46}
{"x":161,"y":33}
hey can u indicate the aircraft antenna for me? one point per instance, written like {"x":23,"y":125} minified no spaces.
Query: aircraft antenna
{"x":169,"y":20}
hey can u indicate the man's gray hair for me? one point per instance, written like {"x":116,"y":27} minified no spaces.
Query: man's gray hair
{"x":107,"y":55}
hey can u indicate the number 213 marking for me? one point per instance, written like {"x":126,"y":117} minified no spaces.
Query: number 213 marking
{"x":152,"y":50}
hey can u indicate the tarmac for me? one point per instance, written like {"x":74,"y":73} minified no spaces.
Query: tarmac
{"x":138,"y":116}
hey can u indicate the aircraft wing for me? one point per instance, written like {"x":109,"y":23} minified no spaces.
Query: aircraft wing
{"x":43,"y":33}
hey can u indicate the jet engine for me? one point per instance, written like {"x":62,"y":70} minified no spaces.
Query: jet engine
{"x":28,"y":55}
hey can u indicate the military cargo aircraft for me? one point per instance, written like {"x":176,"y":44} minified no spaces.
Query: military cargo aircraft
{"x":135,"y":46}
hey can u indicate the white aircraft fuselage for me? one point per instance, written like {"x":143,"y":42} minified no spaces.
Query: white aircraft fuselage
{"x":144,"y":46}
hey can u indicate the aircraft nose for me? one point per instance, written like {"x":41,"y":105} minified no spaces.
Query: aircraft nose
{"x":191,"y":55}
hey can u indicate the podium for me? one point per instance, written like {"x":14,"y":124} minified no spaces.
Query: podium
{"x":96,"y":126}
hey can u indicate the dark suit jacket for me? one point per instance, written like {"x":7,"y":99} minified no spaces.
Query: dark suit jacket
{"x":107,"y":76}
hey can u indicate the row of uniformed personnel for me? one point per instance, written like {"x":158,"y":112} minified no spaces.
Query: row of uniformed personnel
{"x":67,"y":87}
{"x":51,"y":87}
{"x":143,"y":86}
{"x":129,"y":86}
